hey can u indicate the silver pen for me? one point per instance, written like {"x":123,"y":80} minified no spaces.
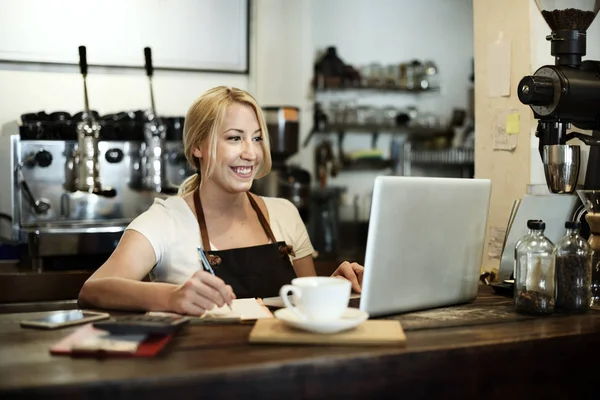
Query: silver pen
{"x":206,"y":266}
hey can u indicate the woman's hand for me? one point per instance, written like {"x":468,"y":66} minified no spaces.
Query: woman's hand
{"x":200,"y":293}
{"x":351,"y":271}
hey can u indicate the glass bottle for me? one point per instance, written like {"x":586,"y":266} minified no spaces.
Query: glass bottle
{"x":534,"y":280}
{"x":519,"y":241}
{"x":573,"y":256}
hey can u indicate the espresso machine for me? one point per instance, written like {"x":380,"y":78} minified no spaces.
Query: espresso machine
{"x":72,"y":183}
{"x":565,"y":99}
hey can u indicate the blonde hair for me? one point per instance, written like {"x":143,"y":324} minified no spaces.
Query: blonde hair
{"x":202,"y":122}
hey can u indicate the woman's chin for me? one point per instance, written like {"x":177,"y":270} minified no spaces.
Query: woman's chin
{"x":240,"y":187}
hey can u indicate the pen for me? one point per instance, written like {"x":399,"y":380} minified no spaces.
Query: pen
{"x":206,"y":265}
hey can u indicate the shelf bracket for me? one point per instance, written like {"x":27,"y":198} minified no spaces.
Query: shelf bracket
{"x":341,"y":135}
{"x":374,"y":140}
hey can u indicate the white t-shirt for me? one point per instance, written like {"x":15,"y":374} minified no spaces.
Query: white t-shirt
{"x":172,"y":229}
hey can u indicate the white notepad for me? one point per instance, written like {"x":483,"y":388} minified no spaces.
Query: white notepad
{"x":241,"y":310}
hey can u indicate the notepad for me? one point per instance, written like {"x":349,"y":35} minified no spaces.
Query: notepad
{"x":242,"y":310}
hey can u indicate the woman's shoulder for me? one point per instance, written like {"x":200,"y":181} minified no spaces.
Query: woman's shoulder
{"x":279,"y":205}
{"x":170,"y":207}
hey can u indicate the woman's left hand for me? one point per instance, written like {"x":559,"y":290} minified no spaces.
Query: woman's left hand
{"x":351,"y":271}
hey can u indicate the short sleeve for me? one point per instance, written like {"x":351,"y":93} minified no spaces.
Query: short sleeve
{"x":154,"y":224}
{"x":288,"y":219}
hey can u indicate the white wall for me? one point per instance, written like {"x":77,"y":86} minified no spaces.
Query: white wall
{"x":44,"y":88}
{"x":394,"y":31}
{"x":281,"y":62}
{"x":37,"y":87}
{"x":284,"y":38}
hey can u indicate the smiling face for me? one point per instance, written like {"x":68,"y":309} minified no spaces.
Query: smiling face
{"x":239,"y":150}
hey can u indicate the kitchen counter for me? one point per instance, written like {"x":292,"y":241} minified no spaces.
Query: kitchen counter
{"x":481,"y":350}
{"x":25,"y":286}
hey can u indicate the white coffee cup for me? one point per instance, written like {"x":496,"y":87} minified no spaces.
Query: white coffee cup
{"x":317,"y":298}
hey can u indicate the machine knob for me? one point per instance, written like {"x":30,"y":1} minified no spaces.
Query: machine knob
{"x":536,"y":90}
{"x":43,"y":158}
{"x":114,"y":155}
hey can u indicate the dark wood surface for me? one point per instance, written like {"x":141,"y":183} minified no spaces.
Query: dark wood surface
{"x":450,"y":353}
{"x":25,"y":286}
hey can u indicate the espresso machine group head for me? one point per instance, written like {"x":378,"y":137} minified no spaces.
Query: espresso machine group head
{"x":566,"y":95}
{"x":83,"y":167}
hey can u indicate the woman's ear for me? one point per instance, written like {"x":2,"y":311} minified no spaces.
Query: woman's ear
{"x":197,"y":153}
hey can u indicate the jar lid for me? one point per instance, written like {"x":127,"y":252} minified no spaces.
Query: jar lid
{"x":536,"y":224}
{"x":573,"y":225}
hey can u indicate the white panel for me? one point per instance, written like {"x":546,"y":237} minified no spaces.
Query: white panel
{"x":183,"y":34}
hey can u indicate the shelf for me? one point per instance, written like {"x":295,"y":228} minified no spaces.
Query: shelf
{"x":365,"y":164}
{"x":390,"y":89}
{"x":457,"y":157}
{"x":372,"y":128}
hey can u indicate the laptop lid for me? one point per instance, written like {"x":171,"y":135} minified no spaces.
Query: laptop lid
{"x":424,"y":244}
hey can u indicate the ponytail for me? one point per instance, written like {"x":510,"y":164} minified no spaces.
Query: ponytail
{"x":190,"y":184}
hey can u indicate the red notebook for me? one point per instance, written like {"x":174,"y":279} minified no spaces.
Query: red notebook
{"x":88,"y":341}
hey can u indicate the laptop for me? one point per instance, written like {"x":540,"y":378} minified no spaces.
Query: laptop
{"x":425,"y":243}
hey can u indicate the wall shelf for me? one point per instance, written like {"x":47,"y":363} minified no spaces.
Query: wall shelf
{"x":365,"y":164}
{"x":463,"y":158}
{"x":374,"y":128}
{"x":377,"y":89}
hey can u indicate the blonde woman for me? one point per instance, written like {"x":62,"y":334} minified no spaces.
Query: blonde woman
{"x":254,"y":244}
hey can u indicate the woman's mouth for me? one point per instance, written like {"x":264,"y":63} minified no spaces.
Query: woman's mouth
{"x":243,"y":172}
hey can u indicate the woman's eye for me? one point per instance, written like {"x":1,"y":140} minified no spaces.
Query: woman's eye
{"x":234,"y":138}
{"x":257,"y":139}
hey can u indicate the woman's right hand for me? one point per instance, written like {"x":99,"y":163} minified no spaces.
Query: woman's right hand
{"x":200,"y":293}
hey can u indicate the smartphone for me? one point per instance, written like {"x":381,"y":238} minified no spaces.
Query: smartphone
{"x":62,"y":318}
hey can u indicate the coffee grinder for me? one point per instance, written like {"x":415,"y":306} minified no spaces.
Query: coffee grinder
{"x":286,"y":181}
{"x":564,"y":96}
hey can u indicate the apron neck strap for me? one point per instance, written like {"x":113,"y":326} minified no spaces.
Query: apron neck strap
{"x":202,"y":222}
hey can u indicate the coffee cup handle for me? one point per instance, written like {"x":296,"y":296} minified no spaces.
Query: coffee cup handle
{"x":283,"y":293}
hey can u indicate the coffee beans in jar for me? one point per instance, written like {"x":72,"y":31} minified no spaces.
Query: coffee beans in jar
{"x":534,"y":273}
{"x":573,"y":268}
{"x":534,"y":303}
{"x":573,"y":281}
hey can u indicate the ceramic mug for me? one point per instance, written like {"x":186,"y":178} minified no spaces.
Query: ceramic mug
{"x":317,"y":298}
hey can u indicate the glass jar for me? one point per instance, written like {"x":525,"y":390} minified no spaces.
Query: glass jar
{"x":534,"y":280}
{"x":573,"y":256}
{"x":519,"y":241}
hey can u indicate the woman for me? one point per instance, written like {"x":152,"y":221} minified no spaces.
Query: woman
{"x":262,"y":242}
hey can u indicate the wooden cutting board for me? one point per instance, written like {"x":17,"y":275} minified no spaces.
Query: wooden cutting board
{"x":369,"y":333}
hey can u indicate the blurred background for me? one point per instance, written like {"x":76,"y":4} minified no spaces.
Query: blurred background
{"x":352,"y":89}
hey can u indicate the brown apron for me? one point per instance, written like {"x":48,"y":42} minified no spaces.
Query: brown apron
{"x":256,"y":271}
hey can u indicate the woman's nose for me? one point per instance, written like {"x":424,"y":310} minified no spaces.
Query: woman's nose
{"x":248,"y":150}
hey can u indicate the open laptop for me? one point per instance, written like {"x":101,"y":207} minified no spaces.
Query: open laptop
{"x":425,"y":243}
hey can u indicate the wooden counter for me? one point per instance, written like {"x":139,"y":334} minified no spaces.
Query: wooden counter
{"x":24,"y":286}
{"x":482,"y":350}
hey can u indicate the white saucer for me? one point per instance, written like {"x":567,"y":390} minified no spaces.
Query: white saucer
{"x":351,"y":318}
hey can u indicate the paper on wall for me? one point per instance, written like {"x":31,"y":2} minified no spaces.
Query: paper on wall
{"x":505,"y":129}
{"x":498,"y":67}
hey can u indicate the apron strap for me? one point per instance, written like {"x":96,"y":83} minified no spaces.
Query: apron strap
{"x":202,"y":222}
{"x":261,"y":218}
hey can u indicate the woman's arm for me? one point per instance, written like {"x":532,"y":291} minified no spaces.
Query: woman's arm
{"x":117,"y":283}
{"x":305,"y":266}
